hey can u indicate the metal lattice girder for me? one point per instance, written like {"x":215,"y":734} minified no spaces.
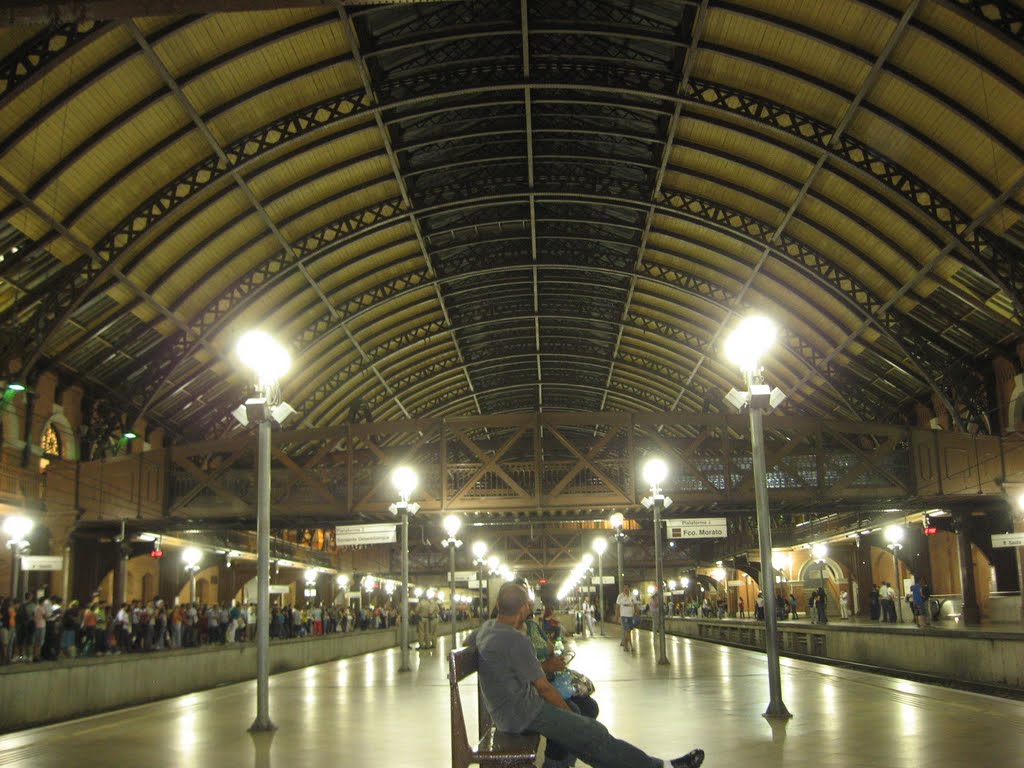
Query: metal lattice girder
{"x":535,"y":464}
{"x":861,"y":156}
{"x":1003,"y":15}
{"x":43,"y":50}
{"x":75,"y":290}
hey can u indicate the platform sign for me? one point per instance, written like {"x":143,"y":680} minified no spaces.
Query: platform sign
{"x":353,"y":535}
{"x":464,"y":576}
{"x":42,"y":563}
{"x":697,"y":528}
{"x":280,"y":589}
{"x":604,"y":579}
{"x":1008,"y":539}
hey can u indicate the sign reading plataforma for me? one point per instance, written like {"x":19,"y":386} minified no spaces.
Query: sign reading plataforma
{"x":704,"y":528}
{"x":42,"y":563}
{"x":381,"y":533}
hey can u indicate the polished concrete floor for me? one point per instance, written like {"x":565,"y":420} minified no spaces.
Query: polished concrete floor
{"x":362,"y":712}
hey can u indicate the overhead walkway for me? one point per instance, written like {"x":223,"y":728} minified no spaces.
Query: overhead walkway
{"x":362,"y":711}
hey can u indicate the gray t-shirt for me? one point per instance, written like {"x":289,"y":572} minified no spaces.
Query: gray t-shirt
{"x":508,"y":667}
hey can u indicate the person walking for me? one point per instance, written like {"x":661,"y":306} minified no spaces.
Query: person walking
{"x":519,"y":697}
{"x":625,"y":612}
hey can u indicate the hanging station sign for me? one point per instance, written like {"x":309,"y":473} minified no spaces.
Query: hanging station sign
{"x":352,"y":535}
{"x":697,"y":528}
{"x":42,"y":563}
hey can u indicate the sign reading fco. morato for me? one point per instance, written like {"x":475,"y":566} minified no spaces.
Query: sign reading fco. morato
{"x":705,"y":528}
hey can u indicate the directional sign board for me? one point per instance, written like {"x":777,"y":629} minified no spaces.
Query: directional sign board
{"x":42,"y":563}
{"x":697,"y":528}
{"x":351,"y":535}
{"x":1008,"y":539}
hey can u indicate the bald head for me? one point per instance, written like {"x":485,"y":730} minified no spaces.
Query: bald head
{"x":511,"y":599}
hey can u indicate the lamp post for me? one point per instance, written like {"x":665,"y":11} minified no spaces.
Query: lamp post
{"x":894,"y":535}
{"x":480,"y":561}
{"x":16,"y":528}
{"x":599,"y":546}
{"x":404,"y":480}
{"x":745,"y":348}
{"x":342,"y":581}
{"x":451,"y":527}
{"x":654,"y":473}
{"x":268,"y":361}
{"x":719,"y":575}
{"x":819,"y":552}
{"x":191,"y":557}
{"x":616,"y":521}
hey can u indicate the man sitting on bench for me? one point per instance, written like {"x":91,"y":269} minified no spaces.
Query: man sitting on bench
{"x":519,"y":697}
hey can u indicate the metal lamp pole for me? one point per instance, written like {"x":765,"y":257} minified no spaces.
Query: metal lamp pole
{"x":655,"y":471}
{"x":480,"y":561}
{"x":404,"y":479}
{"x":451,"y":527}
{"x":600,"y":545}
{"x":616,"y":521}
{"x":269,"y":361}
{"x":745,"y":347}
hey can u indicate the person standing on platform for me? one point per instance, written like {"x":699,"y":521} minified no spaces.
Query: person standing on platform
{"x":844,"y":601}
{"x":888,"y":595}
{"x":919,"y":594}
{"x":820,"y":607}
{"x":625,"y":611}
{"x":876,"y":603}
{"x":520,"y":698}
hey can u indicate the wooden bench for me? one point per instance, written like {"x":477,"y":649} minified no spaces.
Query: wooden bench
{"x":495,"y":748}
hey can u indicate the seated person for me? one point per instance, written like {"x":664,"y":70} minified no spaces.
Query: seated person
{"x":519,"y":697}
{"x":551,"y":625}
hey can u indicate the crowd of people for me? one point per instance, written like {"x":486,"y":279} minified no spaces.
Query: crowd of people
{"x":46,"y":629}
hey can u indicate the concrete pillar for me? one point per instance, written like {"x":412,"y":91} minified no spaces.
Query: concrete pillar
{"x":971,"y":612}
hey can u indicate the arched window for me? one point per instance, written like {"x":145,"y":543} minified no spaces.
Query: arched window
{"x":50,"y":443}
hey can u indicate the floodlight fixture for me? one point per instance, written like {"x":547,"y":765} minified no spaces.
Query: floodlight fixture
{"x":600,"y":545}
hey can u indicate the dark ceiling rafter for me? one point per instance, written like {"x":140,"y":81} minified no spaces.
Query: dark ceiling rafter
{"x":726,"y":96}
{"x":333,"y":246}
{"x":351,"y":35}
{"x":775,"y":113}
{"x":444,"y":197}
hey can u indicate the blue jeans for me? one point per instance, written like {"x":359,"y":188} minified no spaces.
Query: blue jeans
{"x":589,"y":739}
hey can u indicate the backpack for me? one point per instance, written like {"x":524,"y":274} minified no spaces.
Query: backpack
{"x":926,"y":591}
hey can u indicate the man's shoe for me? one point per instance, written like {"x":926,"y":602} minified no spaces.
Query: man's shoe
{"x":691,"y":759}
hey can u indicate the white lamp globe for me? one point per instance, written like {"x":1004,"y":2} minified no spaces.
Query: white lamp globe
{"x":894,"y":534}
{"x":655,"y":472}
{"x":616,"y":520}
{"x":749,"y":342}
{"x":342,"y":580}
{"x":479,"y":549}
{"x":310,"y":575}
{"x":451,"y":525}
{"x":191,"y":556}
{"x":17,"y":527}
{"x":260,"y":352}
{"x":404,"y":480}
{"x":600,"y":546}
{"x":819,"y":551}
{"x":588,"y":559}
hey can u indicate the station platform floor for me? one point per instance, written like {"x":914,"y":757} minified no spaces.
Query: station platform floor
{"x":362,"y":711}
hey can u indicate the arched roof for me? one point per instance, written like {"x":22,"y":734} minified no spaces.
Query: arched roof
{"x":461,"y":208}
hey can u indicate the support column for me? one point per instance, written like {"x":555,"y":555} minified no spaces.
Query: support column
{"x":971,"y":612}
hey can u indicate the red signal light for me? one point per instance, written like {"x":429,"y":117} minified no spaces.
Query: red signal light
{"x":930,"y":530}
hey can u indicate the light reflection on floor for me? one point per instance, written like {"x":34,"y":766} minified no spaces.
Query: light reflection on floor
{"x":713,"y":696}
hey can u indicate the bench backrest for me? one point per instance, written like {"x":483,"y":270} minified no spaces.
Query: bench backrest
{"x":461,"y":664}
